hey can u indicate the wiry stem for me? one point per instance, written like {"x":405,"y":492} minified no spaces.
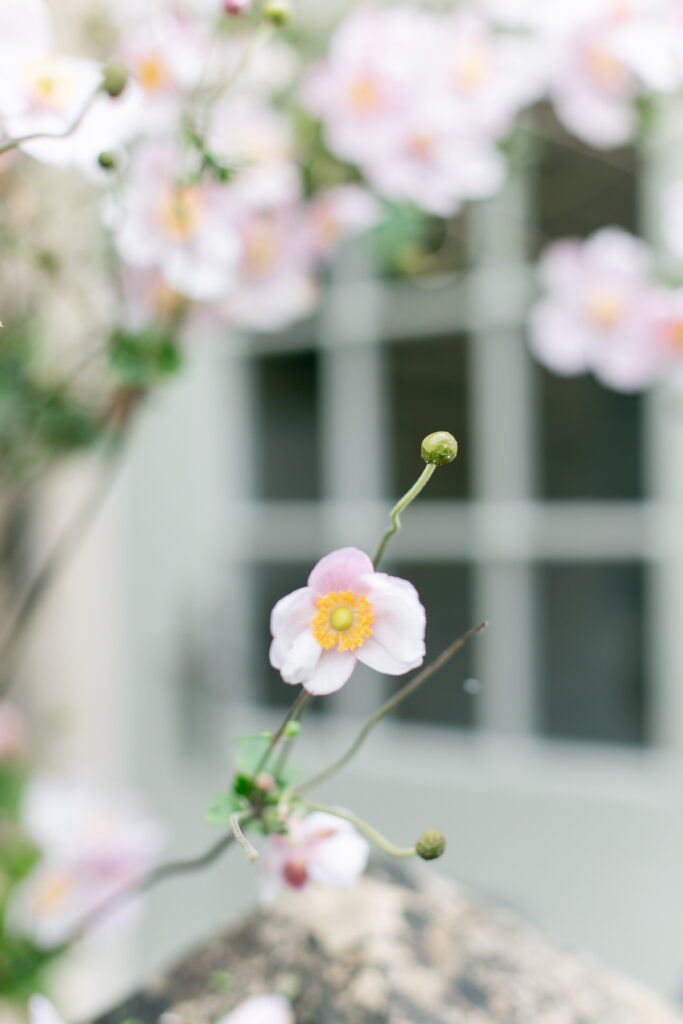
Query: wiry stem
{"x":401,"y":504}
{"x":19,"y":140}
{"x":375,"y":837}
{"x":390,"y":705}
{"x":292,"y":715}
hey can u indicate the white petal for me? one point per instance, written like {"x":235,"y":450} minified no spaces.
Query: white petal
{"x":399,"y":624}
{"x":340,"y":860}
{"x":333,"y":669}
{"x":292,"y":613}
{"x":267,"y":1009}
{"x":41,"y":1011}
{"x":301,"y":659}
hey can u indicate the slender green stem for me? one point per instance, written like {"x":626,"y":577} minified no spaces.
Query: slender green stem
{"x":286,"y":748}
{"x":401,"y":504}
{"x":368,"y":831}
{"x":390,"y":705}
{"x":292,"y":715}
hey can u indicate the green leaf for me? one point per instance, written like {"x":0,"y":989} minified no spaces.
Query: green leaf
{"x":143,"y":358}
{"x":250,"y":750}
{"x":223,"y":807}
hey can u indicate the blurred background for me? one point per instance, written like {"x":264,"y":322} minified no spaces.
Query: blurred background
{"x":550,"y":751}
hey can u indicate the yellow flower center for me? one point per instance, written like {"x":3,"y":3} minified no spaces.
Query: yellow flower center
{"x":50,"y":85}
{"x":605,"y":307}
{"x":364,"y":94}
{"x":606,"y":70}
{"x":260,"y":248}
{"x":473,"y":67}
{"x":182,"y":213}
{"x":152,"y":73}
{"x":674,"y":334}
{"x":343,"y":618}
{"x":52,"y":893}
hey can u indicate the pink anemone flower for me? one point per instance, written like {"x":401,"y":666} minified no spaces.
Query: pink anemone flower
{"x":319,"y":848}
{"x":347,"y":613}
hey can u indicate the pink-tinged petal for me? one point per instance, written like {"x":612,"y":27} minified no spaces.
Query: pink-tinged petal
{"x":602,"y":121}
{"x":334,"y":668}
{"x":339,"y":570}
{"x":561,"y":266}
{"x":339,"y":861}
{"x":617,"y":252}
{"x":400,"y":620}
{"x":379,"y":659}
{"x":268,"y":1009}
{"x":557,"y":339}
{"x":292,"y":614}
{"x":301,"y":659}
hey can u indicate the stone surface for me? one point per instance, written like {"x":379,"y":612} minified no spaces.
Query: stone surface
{"x":392,"y":953}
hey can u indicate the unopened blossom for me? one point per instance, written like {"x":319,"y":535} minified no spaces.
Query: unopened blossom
{"x":41,"y":1011}
{"x":94,"y":849}
{"x":184,"y":229}
{"x":319,"y":848}
{"x":597,"y":313}
{"x":267,"y":1009}
{"x":347,"y":613}
{"x":12,"y":732}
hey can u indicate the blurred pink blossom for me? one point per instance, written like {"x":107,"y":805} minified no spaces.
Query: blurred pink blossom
{"x":185,"y":230}
{"x":94,"y":848}
{"x":418,"y":100}
{"x":338,"y":213}
{"x":318,"y":848}
{"x":268,"y":1009}
{"x":598,"y":310}
{"x":347,"y":613}
{"x":12,"y":732}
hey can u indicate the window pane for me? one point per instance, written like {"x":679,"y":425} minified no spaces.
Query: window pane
{"x":591,"y":628}
{"x":578,"y":190}
{"x":445,"y":591}
{"x":428,"y":382}
{"x":590,"y":440}
{"x":287,"y":415}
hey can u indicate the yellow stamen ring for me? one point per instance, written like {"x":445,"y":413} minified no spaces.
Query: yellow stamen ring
{"x":343,"y":618}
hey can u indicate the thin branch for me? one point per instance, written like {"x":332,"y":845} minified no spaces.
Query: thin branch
{"x":10,"y":144}
{"x":293,"y":714}
{"x":389,"y":706}
{"x":239,"y":836}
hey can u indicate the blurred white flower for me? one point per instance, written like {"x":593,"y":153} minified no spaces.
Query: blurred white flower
{"x":318,"y":848}
{"x":269,"y":1009}
{"x":41,"y":1011}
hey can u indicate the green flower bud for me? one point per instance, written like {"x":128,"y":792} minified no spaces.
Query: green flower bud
{"x":431,"y":844}
{"x":439,"y":448}
{"x":277,"y":12}
{"x":114,"y":79}
{"x":291,"y":730}
{"x":107,"y":161}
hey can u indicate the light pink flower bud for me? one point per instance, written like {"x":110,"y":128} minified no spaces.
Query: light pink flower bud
{"x":12,"y":732}
{"x":236,"y":6}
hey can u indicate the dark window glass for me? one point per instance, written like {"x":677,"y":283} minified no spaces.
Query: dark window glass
{"x":445,"y":591}
{"x":590,"y":440}
{"x":287,"y":414}
{"x":428,"y":381}
{"x":591,"y":630}
{"x":579,"y":190}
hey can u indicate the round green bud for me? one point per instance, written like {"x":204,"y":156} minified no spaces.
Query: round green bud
{"x":107,"y":161}
{"x":439,"y":448}
{"x":114,"y":78}
{"x":431,"y":844}
{"x":291,"y":730}
{"x":266,"y":734}
{"x":277,"y":12}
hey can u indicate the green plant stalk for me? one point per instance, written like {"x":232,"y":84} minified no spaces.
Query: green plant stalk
{"x":292,"y":715}
{"x":406,"y":691}
{"x":401,"y":504}
{"x":375,"y":837}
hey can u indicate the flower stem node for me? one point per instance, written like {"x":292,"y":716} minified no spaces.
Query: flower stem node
{"x":277,"y":12}
{"x":439,"y":448}
{"x":114,"y":78}
{"x":431,"y":844}
{"x":291,"y":730}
